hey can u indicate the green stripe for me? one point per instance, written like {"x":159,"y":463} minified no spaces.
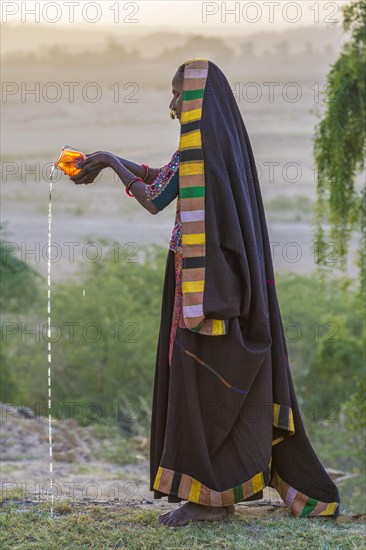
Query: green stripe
{"x":238,"y":493}
{"x":309,"y":506}
{"x":192,"y":192}
{"x":198,"y":327}
{"x":192,"y":94}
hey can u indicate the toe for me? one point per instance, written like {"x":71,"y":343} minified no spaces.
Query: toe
{"x":179,"y":522}
{"x":164,"y":519}
{"x":165,"y":514}
{"x":170,"y":522}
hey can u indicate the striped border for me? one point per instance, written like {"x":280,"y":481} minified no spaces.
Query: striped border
{"x":187,"y":488}
{"x":283,"y":418}
{"x":192,"y":202}
{"x":300,"y":504}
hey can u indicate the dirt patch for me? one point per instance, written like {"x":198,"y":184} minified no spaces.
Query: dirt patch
{"x":78,"y":474}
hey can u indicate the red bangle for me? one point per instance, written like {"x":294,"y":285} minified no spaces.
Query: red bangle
{"x":127,"y":188}
{"x":146,"y":166}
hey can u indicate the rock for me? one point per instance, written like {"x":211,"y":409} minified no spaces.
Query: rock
{"x":25,"y":412}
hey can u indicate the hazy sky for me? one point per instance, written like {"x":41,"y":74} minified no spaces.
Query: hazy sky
{"x":222,"y":18}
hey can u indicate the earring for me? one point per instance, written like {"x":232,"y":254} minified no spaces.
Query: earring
{"x":172,"y":114}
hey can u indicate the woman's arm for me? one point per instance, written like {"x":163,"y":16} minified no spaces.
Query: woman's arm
{"x":136,"y":169}
{"x":164,"y":188}
{"x":154,"y":197}
{"x":138,"y":188}
{"x":96,"y":162}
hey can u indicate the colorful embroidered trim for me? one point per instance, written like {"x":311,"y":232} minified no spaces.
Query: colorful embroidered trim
{"x":192,"y":202}
{"x":163,"y":178}
{"x":300,"y":504}
{"x":177,"y":303}
{"x":186,"y":487}
{"x":175,"y":242}
{"x":157,"y":187}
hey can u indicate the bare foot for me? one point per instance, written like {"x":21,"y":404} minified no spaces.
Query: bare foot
{"x":190,"y":511}
{"x":230,"y":510}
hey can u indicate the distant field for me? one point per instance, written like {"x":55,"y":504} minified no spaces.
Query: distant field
{"x":136,"y":125}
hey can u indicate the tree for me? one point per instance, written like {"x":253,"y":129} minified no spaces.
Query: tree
{"x":19,"y":290}
{"x":339,"y":152}
{"x":339,"y":148}
{"x":19,"y":282}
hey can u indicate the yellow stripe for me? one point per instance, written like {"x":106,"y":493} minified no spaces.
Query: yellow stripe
{"x":258,"y":482}
{"x":275,"y":441}
{"x":218,"y":327}
{"x":195,"y":238}
{"x":193,"y":139}
{"x":190,"y":116}
{"x":158,"y":477}
{"x":276,"y":409}
{"x":191,"y":168}
{"x":194,"y":493}
{"x":193,"y":286}
{"x":329,"y":510}
{"x":291,"y":425}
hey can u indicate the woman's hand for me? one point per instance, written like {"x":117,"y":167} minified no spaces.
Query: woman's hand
{"x":91,"y":167}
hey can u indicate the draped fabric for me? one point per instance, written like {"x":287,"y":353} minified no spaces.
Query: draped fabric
{"x":225,"y":417}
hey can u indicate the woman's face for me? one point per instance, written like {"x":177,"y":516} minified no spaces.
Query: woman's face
{"x":177,"y":90}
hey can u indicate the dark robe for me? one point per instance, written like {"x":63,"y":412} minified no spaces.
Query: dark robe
{"x":225,"y":418}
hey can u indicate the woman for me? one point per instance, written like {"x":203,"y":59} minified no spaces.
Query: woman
{"x":225,"y":418}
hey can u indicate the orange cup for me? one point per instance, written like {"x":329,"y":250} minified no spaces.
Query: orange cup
{"x":67,"y":160}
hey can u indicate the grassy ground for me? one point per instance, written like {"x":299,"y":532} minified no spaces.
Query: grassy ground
{"x":78,"y":525}
{"x":101,"y":455}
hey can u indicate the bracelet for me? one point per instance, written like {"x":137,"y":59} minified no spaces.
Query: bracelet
{"x":146,"y":166}
{"x":127,"y":189}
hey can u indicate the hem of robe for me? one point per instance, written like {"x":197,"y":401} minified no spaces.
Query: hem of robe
{"x":298,"y":503}
{"x":179,"y":486}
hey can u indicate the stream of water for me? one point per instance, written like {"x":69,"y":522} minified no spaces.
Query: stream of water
{"x":49,"y":343}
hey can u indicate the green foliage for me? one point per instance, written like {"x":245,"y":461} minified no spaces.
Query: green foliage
{"x":117,"y":452}
{"x":299,"y":204}
{"x":317,"y":314}
{"x":104,"y":343}
{"x":354,"y":20}
{"x":19,"y":291}
{"x":337,"y":359}
{"x":340,"y":446}
{"x":339,"y":148}
{"x":355,"y":418}
{"x":19,"y":282}
{"x":9,"y":391}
